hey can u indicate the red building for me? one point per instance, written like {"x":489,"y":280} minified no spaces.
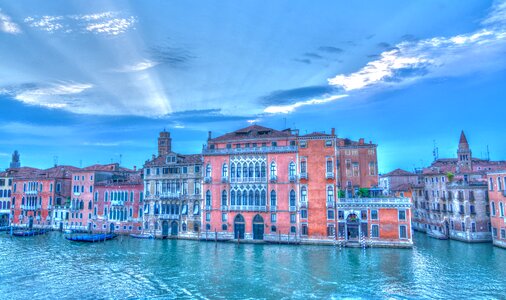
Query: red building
{"x":265,"y":184}
{"x":106,"y":198}
{"x":497,"y":198}
{"x":36,"y":193}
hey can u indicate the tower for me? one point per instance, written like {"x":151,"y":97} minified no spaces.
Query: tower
{"x":464,"y":158}
{"x":164,"y":143}
{"x":15,"y":163}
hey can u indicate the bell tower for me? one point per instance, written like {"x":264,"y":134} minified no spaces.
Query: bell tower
{"x":164,"y":143}
{"x":15,"y":163}
{"x":464,"y":158}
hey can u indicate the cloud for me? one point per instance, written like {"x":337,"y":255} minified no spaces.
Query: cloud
{"x":7,"y":26}
{"x":140,"y":66}
{"x":58,"y":95}
{"x":303,"y":60}
{"x":169,"y":55}
{"x":330,"y":49}
{"x":297,"y":94}
{"x":101,"y":144}
{"x":313,"y":55}
{"x":107,"y":23}
{"x":285,"y":109}
{"x":411,"y":60}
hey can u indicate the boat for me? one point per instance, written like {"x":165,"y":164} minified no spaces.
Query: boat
{"x":91,"y":237}
{"x":25,"y":233}
{"x":142,"y":236}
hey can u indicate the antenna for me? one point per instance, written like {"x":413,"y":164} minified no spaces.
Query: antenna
{"x":55,"y":160}
{"x":488,"y":154}
{"x":80,"y":163}
{"x":120,"y":156}
{"x":284,"y":127}
{"x":435,"y":152}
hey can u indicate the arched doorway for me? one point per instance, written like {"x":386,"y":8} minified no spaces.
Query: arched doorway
{"x":111,"y":227}
{"x":174,"y":228}
{"x":258,"y":228}
{"x":239,"y":226}
{"x":165,"y":228}
{"x":352,"y":227}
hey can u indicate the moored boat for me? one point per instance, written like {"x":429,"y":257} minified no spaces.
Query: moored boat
{"x":91,"y":238}
{"x":26,"y":233}
{"x":142,"y":236}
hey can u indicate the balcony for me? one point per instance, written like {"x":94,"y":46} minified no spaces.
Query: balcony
{"x":207,"y":207}
{"x":273,"y":208}
{"x":208,"y":179}
{"x":273,"y":178}
{"x":329,"y":175}
{"x":292,"y":208}
{"x":224,"y":179}
{"x":224,"y":208}
{"x":32,"y":192}
{"x":247,"y":179}
{"x":263,"y":150}
{"x":303,"y":175}
{"x":168,"y":217}
{"x":303,"y":204}
{"x":330,"y":204}
{"x":473,"y":214}
{"x":168,"y":195}
{"x":248,"y":208}
{"x":117,"y":202}
{"x":292,"y":178}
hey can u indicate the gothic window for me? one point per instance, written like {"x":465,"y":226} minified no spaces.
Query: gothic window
{"x":232,"y":198}
{"x":257,"y":170}
{"x":291,"y":169}
{"x":250,"y":198}
{"x":273,"y":198}
{"x":329,"y":165}
{"x":208,"y":198}
{"x":208,"y":170}
{"x":239,"y":170}
{"x":303,"y":166}
{"x":224,"y":171}
{"x":250,"y":170}
{"x":262,"y":170}
{"x":244,"y":198}
{"x":89,"y":205}
{"x":330,"y":194}
{"x":196,"y":208}
{"x":273,"y":169}
{"x":224,"y":198}
{"x":232,"y":170}
{"x":262,"y":198}
{"x":245,"y":170}
{"x":303,"y":194}
{"x":257,"y":198}
{"x":292,"y":198}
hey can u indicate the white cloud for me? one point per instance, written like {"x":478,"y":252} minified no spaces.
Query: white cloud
{"x":54,"y":96}
{"x":285,"y":109}
{"x":108,"y":23}
{"x":101,"y":144}
{"x":409,"y":61}
{"x":7,"y":26}
{"x":140,"y":66}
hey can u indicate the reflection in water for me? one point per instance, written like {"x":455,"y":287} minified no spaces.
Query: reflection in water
{"x":48,"y":267}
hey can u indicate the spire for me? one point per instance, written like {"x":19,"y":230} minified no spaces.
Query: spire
{"x":463,"y":139}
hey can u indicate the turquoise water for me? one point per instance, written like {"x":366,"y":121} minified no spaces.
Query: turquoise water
{"x":50,"y":267}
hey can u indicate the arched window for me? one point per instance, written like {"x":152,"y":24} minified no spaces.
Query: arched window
{"x":232,"y":198}
{"x":303,"y":166}
{"x":251,"y":200}
{"x":224,"y":170}
{"x":208,"y":198}
{"x":244,"y":198}
{"x":131,"y":212}
{"x":257,"y":170}
{"x":501,"y":209}
{"x":329,"y":165}
{"x":499,"y":184}
{"x":196,"y":208}
{"x":106,"y":194}
{"x":303,"y":194}
{"x":232,"y":170}
{"x":273,"y":169}
{"x":291,"y":169}
{"x":263,"y":199}
{"x":292,"y":198}
{"x":208,"y":170}
{"x":262,"y":170}
{"x":245,"y":170}
{"x":89,"y":205}
{"x":239,"y":170}
{"x":257,"y":198}
{"x":250,"y":170}
{"x":491,"y":183}
{"x":81,"y":205}
{"x":224,"y":198}
{"x":330,"y":194}
{"x":273,"y":198}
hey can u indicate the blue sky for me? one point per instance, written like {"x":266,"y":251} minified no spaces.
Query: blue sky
{"x":95,"y":81}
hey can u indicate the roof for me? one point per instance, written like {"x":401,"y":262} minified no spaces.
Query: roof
{"x":399,"y":172}
{"x":33,"y":173}
{"x":463,"y":139}
{"x":182,"y":159}
{"x":317,"y":134}
{"x":253,"y":132}
{"x":108,"y":167}
{"x":403,"y":187}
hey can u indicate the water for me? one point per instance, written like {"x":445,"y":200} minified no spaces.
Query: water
{"x":50,"y":267}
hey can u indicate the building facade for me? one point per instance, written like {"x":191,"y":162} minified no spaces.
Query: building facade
{"x":279,"y":186}
{"x":5,"y":199}
{"x":173,"y":193}
{"x":452,"y":200}
{"x":397,"y":181}
{"x":497,"y":195}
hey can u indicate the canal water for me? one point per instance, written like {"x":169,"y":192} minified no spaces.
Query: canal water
{"x":50,"y":267}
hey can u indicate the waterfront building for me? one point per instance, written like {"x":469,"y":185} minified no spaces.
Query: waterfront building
{"x":397,"y":182}
{"x":105,"y":198}
{"x":173,"y":192}
{"x":452,"y":201}
{"x":36,"y":193}
{"x":279,"y":186}
{"x":497,"y":194}
{"x":5,"y":198}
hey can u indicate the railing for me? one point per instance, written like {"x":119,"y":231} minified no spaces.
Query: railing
{"x":117,"y":202}
{"x":329,"y":175}
{"x":330,"y":204}
{"x":77,"y":193}
{"x":208,"y":179}
{"x":375,"y":200}
{"x":274,"y":178}
{"x":248,"y":207}
{"x":303,"y":175}
{"x":303,"y":204}
{"x":207,"y":207}
{"x":248,"y":179}
{"x":292,"y":178}
{"x":32,"y":192}
{"x":169,"y":195}
{"x":224,"y":208}
{"x":224,"y":179}
{"x":273,"y":208}
{"x":271,"y":149}
{"x":292,"y":208}
{"x":168,"y":216}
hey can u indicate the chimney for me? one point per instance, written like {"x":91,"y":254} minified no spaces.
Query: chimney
{"x":135,"y":168}
{"x":153,"y":157}
{"x":361,"y":141}
{"x":209,"y":135}
{"x":333,"y":131}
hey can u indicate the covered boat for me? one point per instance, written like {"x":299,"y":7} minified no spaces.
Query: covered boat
{"x":25,"y":233}
{"x":91,"y":237}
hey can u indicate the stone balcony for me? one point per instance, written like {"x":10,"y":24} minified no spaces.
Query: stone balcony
{"x":248,"y":208}
{"x":374,"y":202}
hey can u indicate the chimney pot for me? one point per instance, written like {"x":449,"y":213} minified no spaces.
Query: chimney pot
{"x":361,"y":141}
{"x":209,"y":134}
{"x":333,"y":131}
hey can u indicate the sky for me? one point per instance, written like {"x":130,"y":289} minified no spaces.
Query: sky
{"x":84,"y":82}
